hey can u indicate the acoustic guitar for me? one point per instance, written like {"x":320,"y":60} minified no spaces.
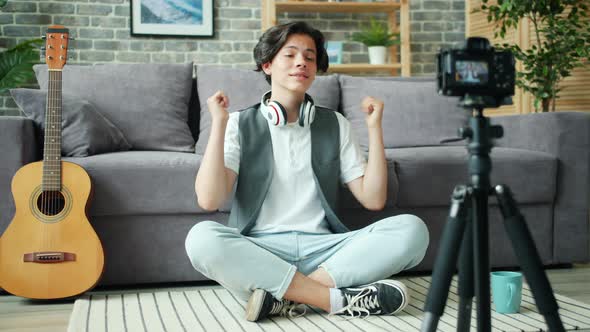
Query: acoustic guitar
{"x":50,"y":250}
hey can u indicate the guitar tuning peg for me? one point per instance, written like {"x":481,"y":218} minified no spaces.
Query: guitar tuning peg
{"x":44,"y":37}
{"x":71,"y":49}
{"x":42,"y":54}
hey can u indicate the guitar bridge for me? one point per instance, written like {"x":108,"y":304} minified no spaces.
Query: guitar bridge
{"x":49,"y":257}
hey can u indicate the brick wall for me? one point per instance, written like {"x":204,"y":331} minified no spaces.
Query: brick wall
{"x":102,"y":32}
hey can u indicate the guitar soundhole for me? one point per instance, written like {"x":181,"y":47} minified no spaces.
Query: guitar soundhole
{"x":51,"y":203}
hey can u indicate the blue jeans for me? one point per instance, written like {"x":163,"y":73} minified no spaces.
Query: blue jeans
{"x":242,"y":264}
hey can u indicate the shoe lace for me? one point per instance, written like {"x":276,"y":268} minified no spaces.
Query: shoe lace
{"x":360,"y":304}
{"x":287,"y":308}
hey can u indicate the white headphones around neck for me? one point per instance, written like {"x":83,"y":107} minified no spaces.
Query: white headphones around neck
{"x":276,"y":114}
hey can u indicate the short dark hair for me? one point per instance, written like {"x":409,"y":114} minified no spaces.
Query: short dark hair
{"x":273,"y":39}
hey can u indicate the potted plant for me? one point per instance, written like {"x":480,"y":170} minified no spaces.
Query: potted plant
{"x":562,"y":31}
{"x":377,"y":38}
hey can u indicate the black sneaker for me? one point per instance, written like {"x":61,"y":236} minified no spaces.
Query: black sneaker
{"x":262,"y":304}
{"x":383,"y":297}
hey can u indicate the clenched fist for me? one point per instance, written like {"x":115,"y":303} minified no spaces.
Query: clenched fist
{"x":373,"y":107}
{"x":218,"y":104}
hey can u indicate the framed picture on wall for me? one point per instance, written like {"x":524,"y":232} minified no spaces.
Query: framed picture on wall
{"x":172,"y":17}
{"x":334,"y":50}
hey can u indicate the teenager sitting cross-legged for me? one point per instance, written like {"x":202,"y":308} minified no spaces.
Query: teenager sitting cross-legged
{"x":284,"y":244}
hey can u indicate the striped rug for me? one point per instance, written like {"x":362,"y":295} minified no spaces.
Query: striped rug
{"x":218,"y":310}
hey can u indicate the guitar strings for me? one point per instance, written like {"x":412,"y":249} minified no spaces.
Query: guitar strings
{"x":51,"y":198}
{"x":54,"y":134}
{"x":50,"y":147}
{"x":48,"y":122}
{"x":51,"y":164}
{"x":56,"y":131}
{"x":58,"y":145}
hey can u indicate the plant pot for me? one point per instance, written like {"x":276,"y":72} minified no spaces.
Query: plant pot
{"x":377,"y":55}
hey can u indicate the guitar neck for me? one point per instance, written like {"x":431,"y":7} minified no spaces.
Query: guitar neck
{"x":52,"y":145}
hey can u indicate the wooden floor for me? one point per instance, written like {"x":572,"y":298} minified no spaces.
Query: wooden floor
{"x":21,"y":315}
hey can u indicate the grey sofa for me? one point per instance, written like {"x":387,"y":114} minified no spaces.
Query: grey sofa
{"x":144,"y":201}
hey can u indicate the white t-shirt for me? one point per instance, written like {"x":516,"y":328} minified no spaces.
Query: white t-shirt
{"x":292,"y":202}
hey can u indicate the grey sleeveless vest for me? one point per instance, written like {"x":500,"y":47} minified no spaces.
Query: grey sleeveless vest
{"x":256,"y":171}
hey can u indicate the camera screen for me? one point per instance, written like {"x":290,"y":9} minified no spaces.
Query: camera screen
{"x":471,"y":72}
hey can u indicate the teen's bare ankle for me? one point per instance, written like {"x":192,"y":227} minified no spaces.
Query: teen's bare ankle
{"x":308,"y":291}
{"x":320,"y":275}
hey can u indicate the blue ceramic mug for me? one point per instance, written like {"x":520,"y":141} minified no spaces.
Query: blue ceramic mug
{"x":507,"y":291}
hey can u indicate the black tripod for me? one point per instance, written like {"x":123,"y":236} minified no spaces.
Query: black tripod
{"x":467,"y":230}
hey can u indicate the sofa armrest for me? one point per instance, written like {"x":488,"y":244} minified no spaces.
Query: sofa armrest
{"x":18,"y":146}
{"x":566,"y":135}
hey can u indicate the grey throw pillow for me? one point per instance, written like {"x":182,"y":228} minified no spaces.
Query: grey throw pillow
{"x":85,"y":131}
{"x":148,"y":102}
{"x":244,"y":88}
{"x":414,"y":114}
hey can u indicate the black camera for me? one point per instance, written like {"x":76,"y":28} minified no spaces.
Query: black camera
{"x":477,"y":70}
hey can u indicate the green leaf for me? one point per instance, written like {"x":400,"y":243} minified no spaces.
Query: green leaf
{"x":16,"y":64}
{"x":504,"y":6}
{"x":537,"y":102}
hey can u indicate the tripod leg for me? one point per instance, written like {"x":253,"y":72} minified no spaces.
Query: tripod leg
{"x":481,"y":257}
{"x":446,"y":261}
{"x":526,"y":252}
{"x":466,"y":278}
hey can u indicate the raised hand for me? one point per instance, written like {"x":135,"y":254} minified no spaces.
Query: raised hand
{"x":218,"y":104}
{"x":373,"y":107}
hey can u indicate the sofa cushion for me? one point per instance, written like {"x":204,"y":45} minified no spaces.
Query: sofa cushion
{"x":244,"y":88}
{"x":84,"y":130}
{"x":414,"y":114}
{"x":428,"y":175}
{"x":142,"y":182}
{"x":148,"y":102}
